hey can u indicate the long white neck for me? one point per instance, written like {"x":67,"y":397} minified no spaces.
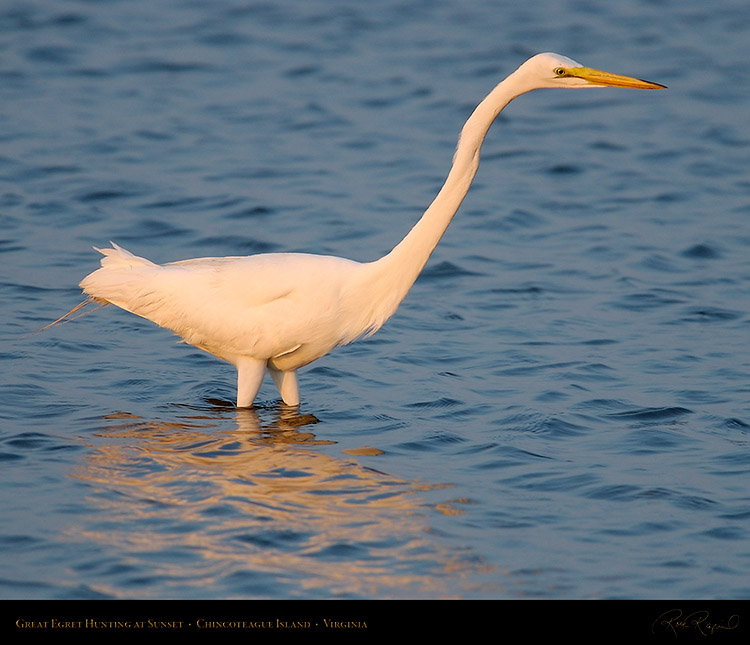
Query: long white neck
{"x":398,"y":270}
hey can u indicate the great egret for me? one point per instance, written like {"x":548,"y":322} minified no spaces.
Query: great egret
{"x":277,"y":312}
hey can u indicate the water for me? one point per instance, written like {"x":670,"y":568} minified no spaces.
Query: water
{"x":560,"y":408}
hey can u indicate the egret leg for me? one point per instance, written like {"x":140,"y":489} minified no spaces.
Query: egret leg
{"x":250,"y":373}
{"x":286,"y":383}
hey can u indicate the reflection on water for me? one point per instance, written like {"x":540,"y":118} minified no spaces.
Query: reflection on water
{"x":573,"y":361}
{"x":254,"y":510}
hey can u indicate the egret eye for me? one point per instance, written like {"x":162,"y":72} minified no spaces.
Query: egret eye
{"x":560,"y":71}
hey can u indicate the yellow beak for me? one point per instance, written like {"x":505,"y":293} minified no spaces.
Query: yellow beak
{"x":607,"y":79}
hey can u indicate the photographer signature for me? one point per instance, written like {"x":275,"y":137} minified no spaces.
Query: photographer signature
{"x":698,"y":621}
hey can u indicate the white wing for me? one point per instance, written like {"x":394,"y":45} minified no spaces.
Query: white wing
{"x":287,"y":307}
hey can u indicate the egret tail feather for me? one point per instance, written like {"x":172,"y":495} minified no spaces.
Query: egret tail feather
{"x":66,"y":318}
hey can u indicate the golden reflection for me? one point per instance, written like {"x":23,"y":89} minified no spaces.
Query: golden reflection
{"x":220,"y":495}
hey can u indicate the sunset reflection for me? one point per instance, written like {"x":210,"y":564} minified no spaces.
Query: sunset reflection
{"x":257,"y":507}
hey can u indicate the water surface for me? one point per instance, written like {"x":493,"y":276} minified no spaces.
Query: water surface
{"x":560,"y":408}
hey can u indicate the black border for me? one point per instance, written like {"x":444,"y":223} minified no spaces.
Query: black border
{"x":356,"y":620}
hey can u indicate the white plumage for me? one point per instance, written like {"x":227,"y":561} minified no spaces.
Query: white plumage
{"x":277,"y":312}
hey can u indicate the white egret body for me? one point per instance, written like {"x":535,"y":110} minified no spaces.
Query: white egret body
{"x":278,"y":312}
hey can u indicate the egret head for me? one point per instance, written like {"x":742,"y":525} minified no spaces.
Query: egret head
{"x":554,"y":70}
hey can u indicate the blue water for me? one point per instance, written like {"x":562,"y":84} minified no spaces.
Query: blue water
{"x":560,"y":408}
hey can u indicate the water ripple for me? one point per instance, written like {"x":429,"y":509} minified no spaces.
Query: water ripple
{"x":558,"y":409}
